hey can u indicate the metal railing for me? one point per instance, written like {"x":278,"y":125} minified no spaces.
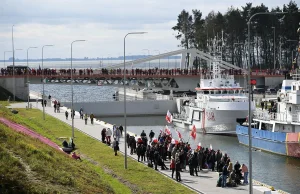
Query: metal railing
{"x":281,"y":117}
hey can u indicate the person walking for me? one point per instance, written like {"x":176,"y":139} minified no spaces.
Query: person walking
{"x":117,"y":134}
{"x":245,"y":171}
{"x":67,"y":114}
{"x":108,"y":135}
{"x":172,"y":166}
{"x":121,"y":130}
{"x":92,"y":118}
{"x":81,"y":113}
{"x":224,"y":175}
{"x":103,"y":135}
{"x":115,"y":146}
{"x":85,"y":118}
{"x":177,"y":167}
{"x":58,"y":107}
{"x":151,"y":135}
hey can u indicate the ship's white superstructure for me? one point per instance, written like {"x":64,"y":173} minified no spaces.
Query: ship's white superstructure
{"x":220,"y":101}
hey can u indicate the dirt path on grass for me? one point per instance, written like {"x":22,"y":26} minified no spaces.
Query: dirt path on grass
{"x":25,"y":130}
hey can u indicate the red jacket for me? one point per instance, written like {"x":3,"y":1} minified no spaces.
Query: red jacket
{"x":172,"y":165}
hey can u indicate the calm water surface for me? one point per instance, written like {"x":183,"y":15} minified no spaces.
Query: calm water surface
{"x":278,"y":171}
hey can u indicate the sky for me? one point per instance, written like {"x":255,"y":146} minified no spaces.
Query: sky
{"x":103,"y":23}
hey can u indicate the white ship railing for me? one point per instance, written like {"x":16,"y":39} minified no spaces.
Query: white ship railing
{"x":281,"y":117}
{"x":180,"y":116}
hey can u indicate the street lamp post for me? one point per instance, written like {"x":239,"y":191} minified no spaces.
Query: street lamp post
{"x":4,"y":56}
{"x":13,"y":50}
{"x":125,"y":125}
{"x":43,"y":79}
{"x":72,"y":85}
{"x":148,"y":55}
{"x":249,"y":92}
{"x":28,"y":75}
{"x":274,"y":47}
{"x":158,"y":59}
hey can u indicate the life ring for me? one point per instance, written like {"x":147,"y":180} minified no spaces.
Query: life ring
{"x":282,"y":95}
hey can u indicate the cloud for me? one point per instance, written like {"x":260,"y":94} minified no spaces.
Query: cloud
{"x":103,"y":23}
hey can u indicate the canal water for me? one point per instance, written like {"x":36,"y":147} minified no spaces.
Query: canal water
{"x":279,"y":171}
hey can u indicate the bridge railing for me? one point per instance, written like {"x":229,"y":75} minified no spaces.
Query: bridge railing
{"x":134,"y":72}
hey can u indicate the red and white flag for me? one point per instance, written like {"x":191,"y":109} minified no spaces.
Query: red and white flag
{"x":193,"y":132}
{"x":169,"y":117}
{"x":199,"y":146}
{"x":179,"y":134}
{"x":167,"y":130}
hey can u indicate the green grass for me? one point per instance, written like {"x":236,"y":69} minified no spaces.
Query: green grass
{"x":29,"y":166}
{"x":138,"y":177}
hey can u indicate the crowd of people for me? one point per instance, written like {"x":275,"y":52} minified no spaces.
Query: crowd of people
{"x":156,"y":152}
{"x":134,"y":72}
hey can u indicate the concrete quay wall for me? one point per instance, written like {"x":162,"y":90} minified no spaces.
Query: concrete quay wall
{"x":21,"y":86}
{"x":133,"y":108}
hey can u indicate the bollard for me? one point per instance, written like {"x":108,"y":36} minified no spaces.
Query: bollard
{"x":30,"y":106}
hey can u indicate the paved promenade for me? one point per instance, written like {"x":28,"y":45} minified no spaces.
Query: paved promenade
{"x":203,"y":183}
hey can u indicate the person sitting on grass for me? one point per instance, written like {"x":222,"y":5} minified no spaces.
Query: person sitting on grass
{"x":75,"y":156}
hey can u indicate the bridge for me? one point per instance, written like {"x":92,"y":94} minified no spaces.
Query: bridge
{"x":180,"y":79}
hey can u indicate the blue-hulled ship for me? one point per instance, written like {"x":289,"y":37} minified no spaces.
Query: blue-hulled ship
{"x":277,"y":129}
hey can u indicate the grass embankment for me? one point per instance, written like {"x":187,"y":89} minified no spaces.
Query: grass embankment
{"x":28,"y":166}
{"x":138,"y":177}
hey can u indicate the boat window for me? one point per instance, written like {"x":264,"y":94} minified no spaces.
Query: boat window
{"x":206,"y":92}
{"x":196,"y":115}
{"x":294,"y":88}
{"x":224,"y":92}
{"x":218,"y":92}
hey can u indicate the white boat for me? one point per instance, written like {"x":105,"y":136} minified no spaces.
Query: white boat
{"x":220,"y":101}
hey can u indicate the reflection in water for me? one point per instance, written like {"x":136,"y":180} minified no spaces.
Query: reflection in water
{"x":279,"y":171}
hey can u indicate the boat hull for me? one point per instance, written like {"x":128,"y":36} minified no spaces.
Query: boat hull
{"x":287,"y":144}
{"x":214,"y":121}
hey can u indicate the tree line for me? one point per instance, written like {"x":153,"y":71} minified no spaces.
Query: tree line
{"x":195,"y":31}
